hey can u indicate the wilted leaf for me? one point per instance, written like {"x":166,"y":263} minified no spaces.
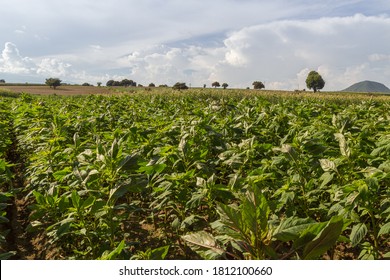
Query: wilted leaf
{"x":344,"y":149}
{"x":203,"y":241}
{"x":328,"y":165}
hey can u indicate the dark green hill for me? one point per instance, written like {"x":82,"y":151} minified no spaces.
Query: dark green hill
{"x":368,"y":86}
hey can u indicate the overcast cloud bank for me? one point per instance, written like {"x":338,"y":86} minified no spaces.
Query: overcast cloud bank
{"x":278,"y":50}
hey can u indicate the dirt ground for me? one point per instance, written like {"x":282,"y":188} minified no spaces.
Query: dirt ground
{"x":61,"y":90}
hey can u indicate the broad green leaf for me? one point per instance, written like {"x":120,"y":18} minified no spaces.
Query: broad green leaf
{"x":255,"y":211}
{"x":150,"y":169}
{"x":6,"y":256}
{"x":189,"y":221}
{"x":99,"y":208}
{"x":385,"y":229}
{"x":39,"y":198}
{"x":119,"y":191}
{"x":60,"y":175}
{"x":381,"y":150}
{"x":63,"y":204}
{"x":159,"y":253}
{"x":326,"y":178}
{"x":88,"y":202}
{"x":358,"y":232}
{"x":114,"y":150}
{"x":3,"y":206}
{"x":63,"y":229}
{"x":176,"y":224}
{"x":3,"y":165}
{"x":92,"y":176}
{"x":291,"y":228}
{"x":75,"y":199}
{"x":233,"y":219}
{"x":196,"y":200}
{"x":325,"y":239}
{"x":130,"y":162}
{"x":3,"y":220}
{"x":221,"y":193}
{"x":113,"y":254}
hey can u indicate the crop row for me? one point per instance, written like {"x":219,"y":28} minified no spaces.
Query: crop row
{"x":227,"y":176}
{"x":5,"y":177}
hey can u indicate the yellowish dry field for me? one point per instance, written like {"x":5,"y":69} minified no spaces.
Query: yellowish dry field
{"x":61,"y":90}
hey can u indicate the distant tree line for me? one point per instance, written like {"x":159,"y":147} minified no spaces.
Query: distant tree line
{"x":123,"y":83}
{"x":314,"y":81}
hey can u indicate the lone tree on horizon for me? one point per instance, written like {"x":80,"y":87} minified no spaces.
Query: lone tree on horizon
{"x":225,"y":85}
{"x":215,"y":84}
{"x":53,"y":82}
{"x":258,"y":85}
{"x":314,"y":81}
{"x":180,"y":86}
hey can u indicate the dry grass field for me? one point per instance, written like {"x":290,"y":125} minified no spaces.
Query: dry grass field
{"x":62,"y":90}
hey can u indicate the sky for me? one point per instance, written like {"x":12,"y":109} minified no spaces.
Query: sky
{"x":197,"y":42}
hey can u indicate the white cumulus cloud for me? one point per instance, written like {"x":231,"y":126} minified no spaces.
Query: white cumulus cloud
{"x":342,"y":49}
{"x":279,"y":53}
{"x":53,"y":67}
{"x":12,"y":62}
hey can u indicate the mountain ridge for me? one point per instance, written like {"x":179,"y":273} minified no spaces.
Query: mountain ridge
{"x":367,"y":86}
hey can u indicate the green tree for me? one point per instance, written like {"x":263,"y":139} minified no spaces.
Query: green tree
{"x":258,"y":85}
{"x":127,"y":83}
{"x":315,"y":81}
{"x":53,"y":82}
{"x":225,"y":85}
{"x":180,"y":86}
{"x":215,"y":84}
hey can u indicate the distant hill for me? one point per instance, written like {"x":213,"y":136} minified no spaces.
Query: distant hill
{"x":368,"y":86}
